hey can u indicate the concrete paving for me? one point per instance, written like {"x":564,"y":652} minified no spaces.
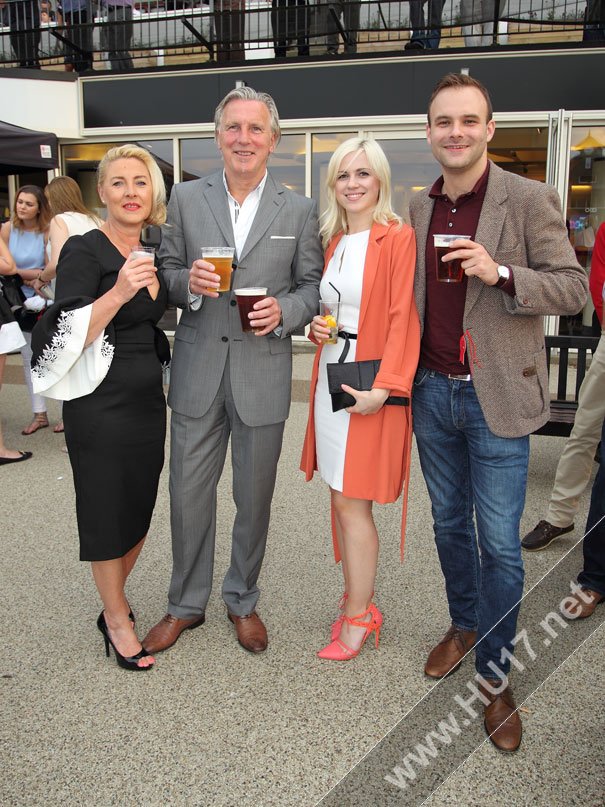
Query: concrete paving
{"x":214,"y":726}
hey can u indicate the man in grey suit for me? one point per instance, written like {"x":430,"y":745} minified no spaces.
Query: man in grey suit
{"x":482,"y":384}
{"x":224,"y":381}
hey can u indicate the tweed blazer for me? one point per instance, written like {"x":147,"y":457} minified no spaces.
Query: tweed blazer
{"x":521,"y":226}
{"x":282,"y":252}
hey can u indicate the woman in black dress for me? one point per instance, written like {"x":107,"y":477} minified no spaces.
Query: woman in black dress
{"x":98,"y":349}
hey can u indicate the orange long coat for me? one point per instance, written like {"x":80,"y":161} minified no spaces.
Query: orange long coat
{"x":389,"y":329}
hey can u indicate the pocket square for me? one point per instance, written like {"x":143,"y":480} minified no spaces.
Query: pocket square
{"x":283,"y":237}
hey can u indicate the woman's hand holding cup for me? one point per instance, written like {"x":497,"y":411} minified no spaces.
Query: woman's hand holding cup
{"x":138,"y":272}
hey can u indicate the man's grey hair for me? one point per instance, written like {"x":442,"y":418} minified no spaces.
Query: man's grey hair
{"x":249,"y":94}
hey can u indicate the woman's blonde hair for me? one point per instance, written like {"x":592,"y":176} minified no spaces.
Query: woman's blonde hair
{"x":157,"y":215}
{"x":44,"y":214}
{"x":64,"y":196}
{"x":334,"y":218}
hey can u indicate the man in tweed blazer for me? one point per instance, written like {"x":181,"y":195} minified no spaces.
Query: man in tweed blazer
{"x":482,"y":385}
{"x":224,"y":381}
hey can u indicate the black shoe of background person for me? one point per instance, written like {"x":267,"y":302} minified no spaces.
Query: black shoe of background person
{"x":542,"y":535}
{"x":414,"y":44}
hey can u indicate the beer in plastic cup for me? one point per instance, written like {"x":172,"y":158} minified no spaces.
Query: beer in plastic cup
{"x":330,"y":310}
{"x":452,"y":271}
{"x":143,"y":252}
{"x":245,"y":303}
{"x":222,"y":260}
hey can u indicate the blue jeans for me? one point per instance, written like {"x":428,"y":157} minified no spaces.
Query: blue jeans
{"x":468,"y":469}
{"x":430,"y":36}
{"x":593,"y":574}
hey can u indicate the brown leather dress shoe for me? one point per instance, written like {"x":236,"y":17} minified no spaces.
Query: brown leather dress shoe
{"x":501,"y":719}
{"x":167,"y":631}
{"x":251,"y":632}
{"x":445,"y":658}
{"x":583,"y":604}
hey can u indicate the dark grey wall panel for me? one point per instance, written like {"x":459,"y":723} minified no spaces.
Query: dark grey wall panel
{"x":528,"y":82}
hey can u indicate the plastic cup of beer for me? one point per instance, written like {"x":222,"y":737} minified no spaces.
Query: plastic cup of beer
{"x":330,"y":311}
{"x":245,"y":304}
{"x":222,"y":260}
{"x":451,"y":271}
{"x":143,"y":252}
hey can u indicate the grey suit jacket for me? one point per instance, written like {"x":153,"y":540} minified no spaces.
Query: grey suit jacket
{"x":283,"y":253}
{"x":521,"y":225}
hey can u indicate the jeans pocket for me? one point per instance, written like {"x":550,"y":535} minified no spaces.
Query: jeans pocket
{"x":420,"y":377}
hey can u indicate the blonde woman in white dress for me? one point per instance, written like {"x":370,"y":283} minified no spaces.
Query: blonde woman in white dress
{"x":363,"y":451}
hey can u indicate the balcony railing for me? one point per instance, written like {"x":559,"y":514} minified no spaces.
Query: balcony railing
{"x":95,"y":34}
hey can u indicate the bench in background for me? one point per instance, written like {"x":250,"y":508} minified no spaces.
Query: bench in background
{"x":563,"y":407}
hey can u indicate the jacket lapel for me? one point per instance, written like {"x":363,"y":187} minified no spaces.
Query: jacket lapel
{"x":219,"y":206}
{"x":489,"y":228}
{"x":422,"y":220}
{"x":370,"y":268}
{"x":270,"y":204}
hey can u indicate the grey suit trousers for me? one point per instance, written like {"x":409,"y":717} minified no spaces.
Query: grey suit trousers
{"x":577,"y":459}
{"x":198,"y":450}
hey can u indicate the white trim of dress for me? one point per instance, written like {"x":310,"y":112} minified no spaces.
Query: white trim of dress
{"x":11,"y":337}
{"x":66,"y":369}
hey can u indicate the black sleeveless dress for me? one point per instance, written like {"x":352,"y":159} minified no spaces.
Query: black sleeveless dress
{"x":115,"y":435}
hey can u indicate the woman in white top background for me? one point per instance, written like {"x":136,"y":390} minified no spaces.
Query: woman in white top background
{"x":70,"y":217}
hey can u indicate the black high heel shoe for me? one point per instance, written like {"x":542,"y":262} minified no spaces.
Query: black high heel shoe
{"x":131,"y":617}
{"x":126,"y":662}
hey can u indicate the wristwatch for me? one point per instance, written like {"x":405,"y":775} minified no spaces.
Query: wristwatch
{"x":503,"y":276}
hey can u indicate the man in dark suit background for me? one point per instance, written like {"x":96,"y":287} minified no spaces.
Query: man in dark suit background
{"x":224,"y":381}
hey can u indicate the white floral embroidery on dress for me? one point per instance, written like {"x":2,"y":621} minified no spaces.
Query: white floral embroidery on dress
{"x":52,"y":352}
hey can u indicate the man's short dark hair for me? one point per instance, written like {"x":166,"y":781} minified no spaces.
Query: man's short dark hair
{"x":458,"y":81}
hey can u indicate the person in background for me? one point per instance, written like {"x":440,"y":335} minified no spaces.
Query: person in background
{"x":429,"y":37}
{"x":11,"y":338}
{"x":576,"y":462}
{"x":482,"y":384}
{"x":70,"y":217}
{"x":590,"y":590}
{"x":78,"y":18}
{"x":116,"y":34}
{"x":24,"y":21}
{"x":350,"y":12}
{"x":290,"y":22}
{"x":363,"y":451}
{"x":26,"y":235}
{"x":229,"y":29}
{"x":98,"y":349}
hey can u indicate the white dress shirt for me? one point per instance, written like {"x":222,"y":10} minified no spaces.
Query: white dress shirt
{"x":242,"y":217}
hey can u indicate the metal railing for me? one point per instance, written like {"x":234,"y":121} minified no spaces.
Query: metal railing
{"x":85,"y":34}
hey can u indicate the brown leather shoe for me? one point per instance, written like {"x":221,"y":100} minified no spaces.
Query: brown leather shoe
{"x":583,"y":604}
{"x":502,"y":721}
{"x":445,"y":658}
{"x":251,"y":632}
{"x":167,"y":631}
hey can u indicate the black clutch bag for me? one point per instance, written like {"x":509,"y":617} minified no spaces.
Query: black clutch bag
{"x":359,"y":375}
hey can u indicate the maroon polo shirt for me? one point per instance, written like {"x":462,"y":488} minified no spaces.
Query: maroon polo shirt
{"x":444,"y":311}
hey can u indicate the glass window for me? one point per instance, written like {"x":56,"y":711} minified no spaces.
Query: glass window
{"x":586,"y":208}
{"x":323,"y":146}
{"x":82,"y":159}
{"x":201,"y":157}
{"x":413,"y":168}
